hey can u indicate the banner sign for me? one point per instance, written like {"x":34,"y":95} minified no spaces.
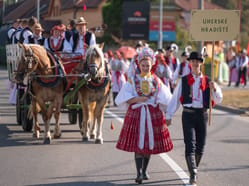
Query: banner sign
{"x":167,"y":26}
{"x":214,"y":25}
{"x":167,"y":35}
{"x":136,"y":20}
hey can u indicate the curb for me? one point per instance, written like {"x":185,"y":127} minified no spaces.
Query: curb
{"x":230,"y":109}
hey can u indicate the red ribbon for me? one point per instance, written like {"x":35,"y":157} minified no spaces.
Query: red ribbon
{"x":118,"y":74}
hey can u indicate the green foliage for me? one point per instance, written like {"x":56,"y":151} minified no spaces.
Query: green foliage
{"x":2,"y":56}
{"x":112,"y":16}
{"x":227,"y":4}
{"x":182,"y":39}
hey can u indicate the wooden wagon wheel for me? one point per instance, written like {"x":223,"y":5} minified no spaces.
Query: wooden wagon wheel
{"x":19,"y":95}
{"x":27,"y":124}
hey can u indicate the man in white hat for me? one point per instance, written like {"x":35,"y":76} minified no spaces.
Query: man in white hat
{"x":26,"y":35}
{"x":37,"y":34}
{"x":83,"y":39}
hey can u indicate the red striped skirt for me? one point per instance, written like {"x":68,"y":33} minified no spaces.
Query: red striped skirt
{"x":129,"y":135}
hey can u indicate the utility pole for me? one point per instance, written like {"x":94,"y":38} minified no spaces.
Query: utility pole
{"x":38,"y":11}
{"x":160,"y":32}
{"x":200,"y":43}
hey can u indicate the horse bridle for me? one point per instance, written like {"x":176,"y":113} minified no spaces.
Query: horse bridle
{"x":29,"y":58}
{"x":93,"y":65}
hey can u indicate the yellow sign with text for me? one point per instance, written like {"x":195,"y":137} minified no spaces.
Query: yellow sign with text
{"x":214,"y":25}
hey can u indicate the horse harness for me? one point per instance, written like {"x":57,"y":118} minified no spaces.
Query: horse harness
{"x":44,"y":82}
{"x":97,"y":83}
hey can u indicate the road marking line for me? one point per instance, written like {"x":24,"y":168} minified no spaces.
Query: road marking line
{"x":174,"y":166}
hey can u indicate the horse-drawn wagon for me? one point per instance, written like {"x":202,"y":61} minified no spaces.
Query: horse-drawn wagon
{"x":23,"y":96}
{"x":52,"y":81}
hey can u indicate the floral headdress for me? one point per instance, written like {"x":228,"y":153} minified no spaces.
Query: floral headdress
{"x":146,"y":53}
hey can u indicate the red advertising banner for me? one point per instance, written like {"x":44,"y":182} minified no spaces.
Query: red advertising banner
{"x":167,"y":26}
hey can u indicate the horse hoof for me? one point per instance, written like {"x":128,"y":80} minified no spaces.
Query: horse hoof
{"x":99,"y":141}
{"x":85,"y":139}
{"x":57,"y":136}
{"x":92,"y":136}
{"x":47,"y":140}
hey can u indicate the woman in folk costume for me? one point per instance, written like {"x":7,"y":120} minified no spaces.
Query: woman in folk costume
{"x":56,"y":42}
{"x":193,"y":92}
{"x":144,"y":131}
{"x":119,"y":68}
{"x":162,"y":70}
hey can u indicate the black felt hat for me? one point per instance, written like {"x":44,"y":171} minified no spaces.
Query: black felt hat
{"x":195,"y":55}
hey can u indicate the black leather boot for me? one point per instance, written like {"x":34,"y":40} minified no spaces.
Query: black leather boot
{"x":144,"y":168}
{"x":139,"y":162}
{"x":198,"y":159}
{"x":190,"y":159}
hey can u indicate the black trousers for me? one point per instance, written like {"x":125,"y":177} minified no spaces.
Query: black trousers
{"x":194,"y":124}
{"x":244,"y":72}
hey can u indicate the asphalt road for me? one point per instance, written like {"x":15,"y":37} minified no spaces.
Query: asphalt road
{"x":69,"y":161}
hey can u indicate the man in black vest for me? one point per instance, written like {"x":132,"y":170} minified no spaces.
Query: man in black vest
{"x":193,"y":92}
{"x":26,"y":35}
{"x":81,"y":40}
{"x":11,"y":31}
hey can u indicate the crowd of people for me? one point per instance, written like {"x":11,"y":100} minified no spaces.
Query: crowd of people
{"x":238,"y":67}
{"x":73,"y":38}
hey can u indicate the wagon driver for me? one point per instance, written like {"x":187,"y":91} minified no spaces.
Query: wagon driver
{"x":82,"y":39}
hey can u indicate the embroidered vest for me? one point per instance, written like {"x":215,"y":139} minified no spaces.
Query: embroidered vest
{"x":9,"y":39}
{"x":186,"y":97}
{"x":60,"y":48}
{"x":76,"y":39}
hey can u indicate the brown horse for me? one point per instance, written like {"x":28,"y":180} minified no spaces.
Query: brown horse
{"x":94,"y":94}
{"x":44,"y":85}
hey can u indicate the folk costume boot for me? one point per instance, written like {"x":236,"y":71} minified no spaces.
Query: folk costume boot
{"x":198,"y":159}
{"x":190,"y":159}
{"x":139,"y":162}
{"x":144,"y":168}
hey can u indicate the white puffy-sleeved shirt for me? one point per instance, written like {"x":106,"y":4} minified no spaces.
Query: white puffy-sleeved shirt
{"x":177,"y":61}
{"x":10,"y":32}
{"x":128,"y":91}
{"x":119,"y":68}
{"x":66,"y":45}
{"x":26,"y":35}
{"x":164,"y":73}
{"x":80,"y":45}
{"x":197,"y":99}
{"x":241,"y":62}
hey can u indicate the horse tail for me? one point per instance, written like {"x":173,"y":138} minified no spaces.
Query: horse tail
{"x":30,"y":112}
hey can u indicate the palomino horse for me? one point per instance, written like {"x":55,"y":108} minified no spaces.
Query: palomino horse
{"x":94,"y":94}
{"x":44,"y":85}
